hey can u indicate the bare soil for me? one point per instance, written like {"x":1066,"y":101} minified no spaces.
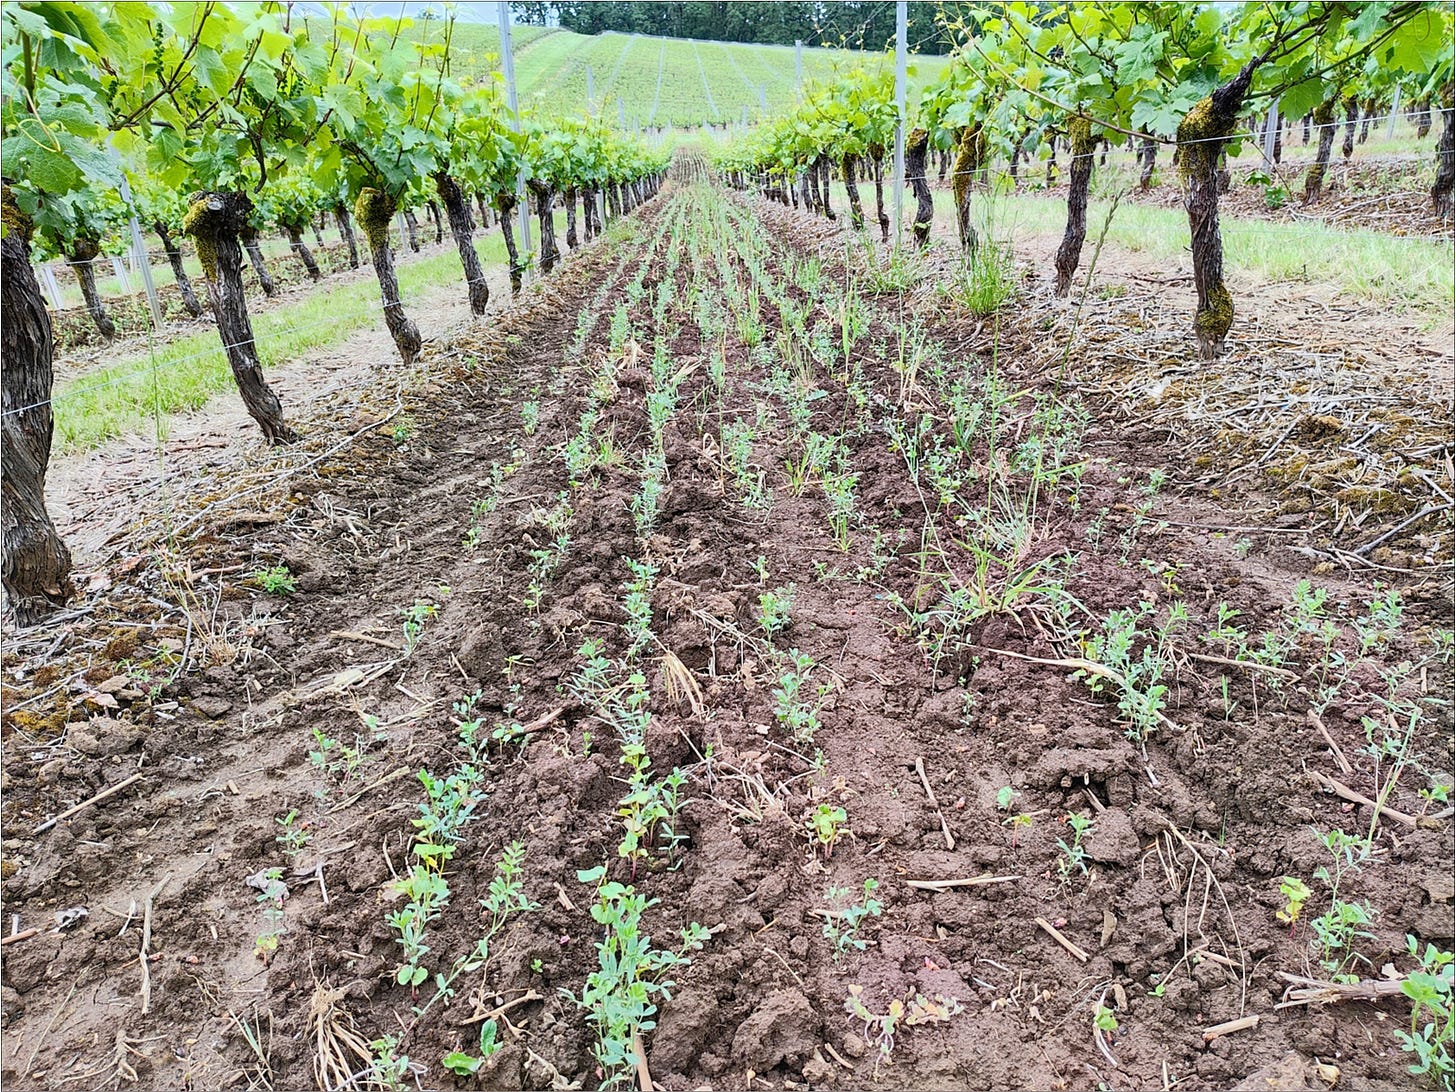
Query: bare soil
{"x":1194,"y":827}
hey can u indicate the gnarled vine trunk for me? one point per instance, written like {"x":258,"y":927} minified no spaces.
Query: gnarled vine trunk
{"x":216,"y":221}
{"x":504,"y":204}
{"x":462,"y":227}
{"x":82,"y":256}
{"x":1069,"y":254}
{"x":179,"y":273}
{"x":1445,"y":157}
{"x":570,"y":197}
{"x":851,"y":187}
{"x":1201,"y":137}
{"x":249,"y":237}
{"x":878,"y":157}
{"x":317,"y":223}
{"x":1423,"y":119}
{"x":412,"y":230}
{"x":1148,"y":154}
{"x":823,"y":172}
{"x":36,"y":566}
{"x":544,"y":195}
{"x":295,"y":240}
{"x":435,"y":215}
{"x":346,"y":233}
{"x":916,"y":148}
{"x":589,"y":228}
{"x":374,"y":209}
{"x":1314,"y":178}
{"x":1352,"y":115}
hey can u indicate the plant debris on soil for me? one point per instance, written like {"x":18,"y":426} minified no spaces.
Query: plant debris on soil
{"x":907,"y":674}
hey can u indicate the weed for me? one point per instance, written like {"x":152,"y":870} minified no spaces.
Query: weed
{"x":466,"y":1065}
{"x":638,"y":605}
{"x":1074,"y":856}
{"x":271,"y":894}
{"x":880,"y":1030}
{"x":293,"y":835}
{"x":827,"y":824}
{"x":1337,"y":930}
{"x":984,"y":281}
{"x":791,"y":705}
{"x":416,"y":615}
{"x":843,"y":916}
{"x":1433,"y":1013}
{"x":334,"y":758}
{"x":391,"y":1069}
{"x":1296,"y":893}
{"x":1141,"y":692}
{"x":530,"y":416}
{"x":773,"y":610}
{"x":276,"y":580}
{"x":619,"y":997}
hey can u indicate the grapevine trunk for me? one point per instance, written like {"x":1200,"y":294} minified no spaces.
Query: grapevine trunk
{"x":295,"y":240}
{"x":249,"y":236}
{"x":216,"y":221}
{"x":915,"y":150}
{"x":1201,"y":137}
{"x":1314,"y":179}
{"x":463,"y":230}
{"x":373,"y":210}
{"x":346,"y":233}
{"x":504,"y":203}
{"x":82,"y":257}
{"x":1069,"y":254}
{"x":856,"y":210}
{"x":179,"y":273}
{"x":36,"y":564}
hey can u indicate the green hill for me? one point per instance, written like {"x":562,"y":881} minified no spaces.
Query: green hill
{"x":659,"y":81}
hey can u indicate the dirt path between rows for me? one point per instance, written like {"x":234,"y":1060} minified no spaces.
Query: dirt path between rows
{"x":96,"y":496}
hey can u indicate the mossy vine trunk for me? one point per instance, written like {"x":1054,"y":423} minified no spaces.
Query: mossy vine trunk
{"x":36,"y":566}
{"x":374,"y":209}
{"x":216,"y":222}
{"x":300,"y":248}
{"x":462,"y":228}
{"x":412,"y":230}
{"x":851,"y":187}
{"x":1352,"y":115}
{"x":1314,"y":178}
{"x":249,"y":237}
{"x":82,"y":256}
{"x":969,"y":153}
{"x":916,"y":148}
{"x":1069,"y":254}
{"x":179,"y":272}
{"x":1201,"y":137}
